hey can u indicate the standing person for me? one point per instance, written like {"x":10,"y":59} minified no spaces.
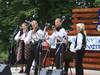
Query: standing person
{"x":80,"y":45}
{"x":60,"y":38}
{"x":20,"y":36}
{"x":34,"y":37}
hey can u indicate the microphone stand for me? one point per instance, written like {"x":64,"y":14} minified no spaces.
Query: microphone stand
{"x":59,"y":46}
{"x":58,"y":49}
{"x":12,"y":45}
{"x":39,"y":47}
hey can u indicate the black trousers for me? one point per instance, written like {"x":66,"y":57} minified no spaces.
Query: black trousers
{"x":34,"y":54}
{"x":30,"y":58}
{"x":79,"y":61}
{"x":58,"y":55}
{"x":66,"y":67}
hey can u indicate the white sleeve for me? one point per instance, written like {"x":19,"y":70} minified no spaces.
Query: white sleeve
{"x":79,"y":42}
{"x":72,"y":47}
{"x":28,"y":37}
{"x":63,"y":33}
{"x":53,"y":35}
{"x":17,"y":37}
{"x":51,"y":38}
{"x":41,"y":34}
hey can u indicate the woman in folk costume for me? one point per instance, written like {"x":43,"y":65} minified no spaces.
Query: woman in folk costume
{"x":20,"y":48}
{"x":33,"y":38}
{"x":80,"y":45}
{"x":59,"y":38}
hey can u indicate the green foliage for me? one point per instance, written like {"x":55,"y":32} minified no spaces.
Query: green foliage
{"x":3,"y":55}
{"x":97,"y":3}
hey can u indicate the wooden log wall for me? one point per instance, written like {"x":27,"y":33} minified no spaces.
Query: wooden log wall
{"x":88,"y":16}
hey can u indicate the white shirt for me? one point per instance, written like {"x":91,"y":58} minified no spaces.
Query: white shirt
{"x":32,"y":37}
{"x":79,"y":43}
{"x":22,"y":37}
{"x":62,"y":34}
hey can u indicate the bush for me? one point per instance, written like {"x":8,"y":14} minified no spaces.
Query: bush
{"x":3,"y":56}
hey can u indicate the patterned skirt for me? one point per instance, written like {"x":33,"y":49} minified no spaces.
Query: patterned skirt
{"x":20,"y":52}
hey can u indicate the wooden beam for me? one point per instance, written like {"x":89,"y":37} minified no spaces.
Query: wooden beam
{"x":92,"y":54}
{"x":89,"y":32}
{"x":91,"y":60}
{"x":85,"y":10}
{"x":87,"y":27}
{"x":88,"y":66}
{"x":85,"y":21}
{"x":92,"y":32}
{"x":92,"y":66}
{"x":73,"y":32}
{"x":88,"y":15}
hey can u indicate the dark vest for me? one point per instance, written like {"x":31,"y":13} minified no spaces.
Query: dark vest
{"x":83,"y":41}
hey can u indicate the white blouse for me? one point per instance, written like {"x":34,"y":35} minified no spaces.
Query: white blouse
{"x":22,"y":37}
{"x":79,"y":43}
{"x":61,"y":34}
{"x":32,"y":37}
